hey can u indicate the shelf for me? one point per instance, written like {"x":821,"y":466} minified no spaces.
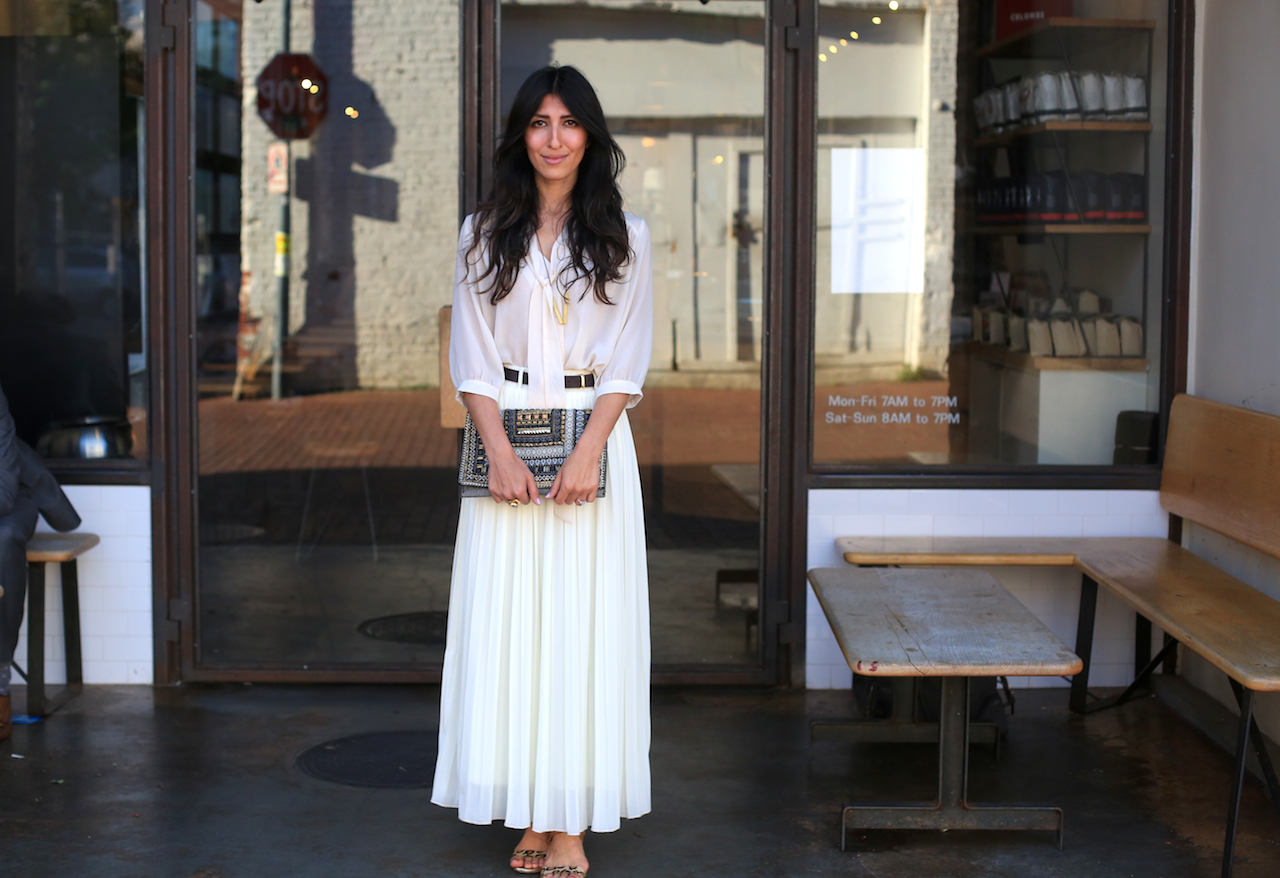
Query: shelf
{"x":1024,"y":362}
{"x":1035,"y":42}
{"x":1064,"y":229}
{"x":1053,"y":127}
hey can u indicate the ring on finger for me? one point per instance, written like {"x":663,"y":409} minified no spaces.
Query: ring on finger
{"x":513,"y":502}
{"x":579,"y":501}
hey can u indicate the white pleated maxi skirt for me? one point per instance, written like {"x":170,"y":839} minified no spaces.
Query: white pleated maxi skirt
{"x":544,"y":706}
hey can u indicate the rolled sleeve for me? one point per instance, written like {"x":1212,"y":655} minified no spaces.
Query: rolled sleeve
{"x":474,"y":362}
{"x":629,"y":363}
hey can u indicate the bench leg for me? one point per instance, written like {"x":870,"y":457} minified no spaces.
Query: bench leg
{"x":36,"y":703}
{"x":1237,"y":780}
{"x":951,"y":810}
{"x":1260,"y":747}
{"x":1141,"y":643}
{"x":1139,"y":682}
{"x":1084,"y":642}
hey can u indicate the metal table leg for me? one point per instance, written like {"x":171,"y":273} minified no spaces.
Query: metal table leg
{"x":900,"y":727}
{"x":951,"y":810}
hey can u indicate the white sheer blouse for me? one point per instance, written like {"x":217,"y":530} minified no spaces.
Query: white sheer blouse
{"x":612,"y":342}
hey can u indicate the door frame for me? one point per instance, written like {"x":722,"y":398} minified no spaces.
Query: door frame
{"x":790,"y":217}
{"x":790,"y":147}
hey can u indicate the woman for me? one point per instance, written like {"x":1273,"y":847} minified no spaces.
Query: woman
{"x":544,"y":719}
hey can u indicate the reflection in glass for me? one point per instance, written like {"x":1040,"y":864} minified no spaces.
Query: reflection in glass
{"x":964,"y":306}
{"x":683,"y":89}
{"x":326,"y":518}
{"x":72,"y":354}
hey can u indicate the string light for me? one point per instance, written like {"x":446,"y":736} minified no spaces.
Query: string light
{"x":352,"y":112}
{"x":844,"y":42}
{"x":832,"y":49}
{"x":306,"y":83}
{"x":893,"y":5}
{"x":854,"y":34}
{"x":875,"y":20}
{"x":822,"y":56}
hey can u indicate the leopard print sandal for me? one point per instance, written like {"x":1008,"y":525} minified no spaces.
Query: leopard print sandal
{"x":525,"y":854}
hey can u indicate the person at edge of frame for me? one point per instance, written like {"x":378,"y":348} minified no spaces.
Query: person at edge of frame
{"x":27,"y":491}
{"x":544,"y":717}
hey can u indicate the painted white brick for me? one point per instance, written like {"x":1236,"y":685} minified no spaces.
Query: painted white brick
{"x":128,"y":600}
{"x":1083,"y":502}
{"x":833,"y":502}
{"x":883,"y":502}
{"x":1151,"y":525}
{"x":141,"y":673}
{"x":957,"y":525}
{"x":841,"y":676}
{"x":932,"y":502}
{"x":981,"y":503}
{"x":107,"y":672}
{"x":126,"y":649}
{"x":821,"y":527}
{"x":816,"y":676}
{"x":1134,"y":503}
{"x":858,"y":525}
{"x":1057,"y":525}
{"x":822,"y":553}
{"x":1033,"y":502}
{"x":1108,"y":526}
{"x":139,"y":625}
{"x":908,"y":525}
{"x":1007,"y":526}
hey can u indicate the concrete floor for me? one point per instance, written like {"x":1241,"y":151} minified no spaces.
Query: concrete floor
{"x":199,"y":782}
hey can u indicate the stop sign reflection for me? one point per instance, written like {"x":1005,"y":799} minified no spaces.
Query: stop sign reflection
{"x":293,"y":96}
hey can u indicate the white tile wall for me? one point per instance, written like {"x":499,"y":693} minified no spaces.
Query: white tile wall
{"x":1051,"y":593}
{"x":115,"y":589}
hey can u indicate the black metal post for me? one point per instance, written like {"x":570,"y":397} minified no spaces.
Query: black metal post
{"x":283,"y":243}
{"x":1237,"y":780}
{"x":1084,"y":642}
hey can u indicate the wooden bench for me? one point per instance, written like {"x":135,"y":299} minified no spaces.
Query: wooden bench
{"x":1221,"y":471}
{"x":952,"y":624}
{"x":63,"y":549}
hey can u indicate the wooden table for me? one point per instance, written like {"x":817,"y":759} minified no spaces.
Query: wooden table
{"x":62,"y":549}
{"x":951,"y":624}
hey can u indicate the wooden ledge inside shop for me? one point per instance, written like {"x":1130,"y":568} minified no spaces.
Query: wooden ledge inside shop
{"x":1024,"y":362}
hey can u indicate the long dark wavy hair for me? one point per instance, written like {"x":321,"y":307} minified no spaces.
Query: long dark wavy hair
{"x":595,"y":229}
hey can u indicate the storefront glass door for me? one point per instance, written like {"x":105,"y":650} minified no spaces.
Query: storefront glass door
{"x":327,"y":508}
{"x":683,"y":88}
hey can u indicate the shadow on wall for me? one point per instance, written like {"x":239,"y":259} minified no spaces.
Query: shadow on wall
{"x":336,"y":193}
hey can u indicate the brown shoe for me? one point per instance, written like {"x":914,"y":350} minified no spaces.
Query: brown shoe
{"x":6,"y":718}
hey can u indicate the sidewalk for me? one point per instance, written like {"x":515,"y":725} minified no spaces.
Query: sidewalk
{"x":200,"y":782}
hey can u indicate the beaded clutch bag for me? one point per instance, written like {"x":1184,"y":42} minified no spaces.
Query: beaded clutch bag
{"x":542,"y":438}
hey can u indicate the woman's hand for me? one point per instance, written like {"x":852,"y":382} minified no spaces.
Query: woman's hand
{"x":509,"y":476}
{"x":579,"y":477}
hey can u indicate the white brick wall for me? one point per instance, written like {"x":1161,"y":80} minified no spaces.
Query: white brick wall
{"x":1051,"y":593}
{"x":115,"y":590}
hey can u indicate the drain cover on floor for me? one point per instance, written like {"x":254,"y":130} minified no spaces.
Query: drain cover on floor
{"x":386,"y":760}
{"x":408,"y":627}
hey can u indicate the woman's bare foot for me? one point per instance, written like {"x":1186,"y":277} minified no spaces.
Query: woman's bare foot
{"x":531,"y":841}
{"x":565,"y":853}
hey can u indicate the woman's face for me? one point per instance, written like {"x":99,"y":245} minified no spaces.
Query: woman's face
{"x":556,"y":141}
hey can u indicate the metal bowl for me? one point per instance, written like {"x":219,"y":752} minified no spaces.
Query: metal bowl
{"x":90,"y":438}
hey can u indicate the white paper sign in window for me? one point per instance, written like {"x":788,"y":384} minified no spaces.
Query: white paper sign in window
{"x":877,"y":220}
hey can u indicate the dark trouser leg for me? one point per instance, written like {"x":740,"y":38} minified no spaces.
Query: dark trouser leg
{"x":13,"y":578}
